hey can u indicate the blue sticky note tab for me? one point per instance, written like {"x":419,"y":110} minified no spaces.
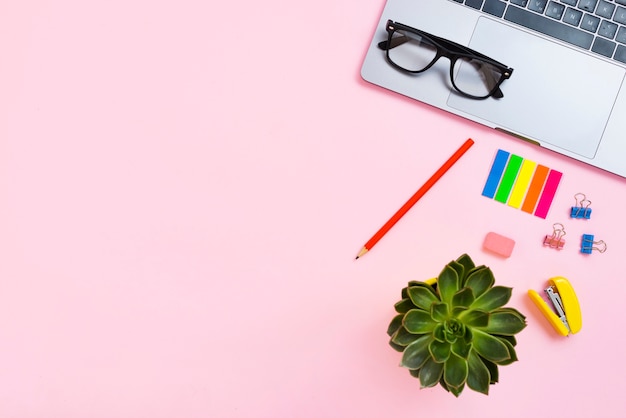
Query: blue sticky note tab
{"x":497,"y":168}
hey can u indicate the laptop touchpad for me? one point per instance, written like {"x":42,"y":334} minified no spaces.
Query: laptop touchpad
{"x":556,"y":95}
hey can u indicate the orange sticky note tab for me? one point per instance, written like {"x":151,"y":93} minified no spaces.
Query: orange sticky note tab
{"x":535,"y":188}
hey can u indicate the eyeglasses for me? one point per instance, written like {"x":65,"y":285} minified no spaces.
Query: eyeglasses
{"x":472,"y":74}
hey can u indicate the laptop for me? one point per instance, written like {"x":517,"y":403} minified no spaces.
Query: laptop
{"x":566,"y":92}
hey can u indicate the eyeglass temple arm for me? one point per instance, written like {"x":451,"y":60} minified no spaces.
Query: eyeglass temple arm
{"x":397,"y":41}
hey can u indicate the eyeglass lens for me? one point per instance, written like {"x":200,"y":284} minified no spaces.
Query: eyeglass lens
{"x":415,"y":53}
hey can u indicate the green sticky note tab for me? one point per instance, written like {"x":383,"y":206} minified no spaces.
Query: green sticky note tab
{"x":508,"y":178}
{"x":521,"y":184}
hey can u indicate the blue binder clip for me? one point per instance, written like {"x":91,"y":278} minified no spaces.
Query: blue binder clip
{"x":588,"y":245}
{"x":582,"y":209}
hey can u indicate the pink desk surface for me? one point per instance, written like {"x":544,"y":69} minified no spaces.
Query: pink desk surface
{"x":184,"y":188}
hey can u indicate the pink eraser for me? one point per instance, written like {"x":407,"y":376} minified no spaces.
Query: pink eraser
{"x":499,"y":244}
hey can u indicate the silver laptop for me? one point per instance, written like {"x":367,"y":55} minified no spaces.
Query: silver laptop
{"x":567,"y":59}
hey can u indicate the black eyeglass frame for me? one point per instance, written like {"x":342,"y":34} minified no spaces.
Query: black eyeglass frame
{"x":451,"y":50}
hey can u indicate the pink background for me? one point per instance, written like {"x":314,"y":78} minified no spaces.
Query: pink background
{"x":184,"y":187}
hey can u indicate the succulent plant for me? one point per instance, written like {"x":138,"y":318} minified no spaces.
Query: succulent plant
{"x":455,"y":331}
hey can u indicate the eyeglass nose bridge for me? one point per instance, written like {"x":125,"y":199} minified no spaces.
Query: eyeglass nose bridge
{"x":452,"y":58}
{"x":436,"y":58}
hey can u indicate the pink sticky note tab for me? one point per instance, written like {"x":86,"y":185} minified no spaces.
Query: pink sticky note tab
{"x":549,"y":190}
{"x":499,"y":244}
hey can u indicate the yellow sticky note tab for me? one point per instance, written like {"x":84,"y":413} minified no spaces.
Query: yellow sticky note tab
{"x":521,"y":185}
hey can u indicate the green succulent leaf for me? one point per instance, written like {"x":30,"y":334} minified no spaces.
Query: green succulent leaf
{"x":419,"y":283}
{"x":480,"y":280}
{"x":474,"y":318}
{"x":456,"y":391}
{"x":512,"y":354}
{"x":469,"y":336}
{"x":417,"y":321}
{"x":422,"y":297}
{"x":508,"y":309}
{"x":459,"y":268}
{"x":439,"y":350}
{"x":439,"y":333}
{"x":464,"y":297}
{"x":455,"y":371}
{"x":478,"y":378}
{"x":403,"y":337}
{"x":508,"y":322}
{"x":490,"y":347}
{"x":416,"y":353}
{"x":442,"y":383}
{"x":404,"y":306}
{"x":447,"y":283}
{"x":395,"y":323}
{"x":415,"y":283}
{"x":439,"y":311}
{"x":461,"y":348}
{"x":509,"y":338}
{"x":468,"y":265}
{"x":396,"y":347}
{"x":493,"y":370}
{"x":458,"y":311}
{"x":430,"y":373}
{"x":493,"y":298}
{"x":450,"y":337}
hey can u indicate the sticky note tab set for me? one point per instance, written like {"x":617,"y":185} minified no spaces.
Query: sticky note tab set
{"x":522,"y":183}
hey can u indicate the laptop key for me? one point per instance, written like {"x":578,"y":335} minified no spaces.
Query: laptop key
{"x":537,"y":5}
{"x":549,"y":27}
{"x":476,"y":4}
{"x":555,"y":10}
{"x":572,"y":16}
{"x":603,"y":47}
{"x":494,"y":7}
{"x":607,"y":29}
{"x":522,"y":3}
{"x":587,"y":5}
{"x":571,"y":2}
{"x":605,"y":9}
{"x":620,"y":53}
{"x":621,"y":35}
{"x":590,"y":23}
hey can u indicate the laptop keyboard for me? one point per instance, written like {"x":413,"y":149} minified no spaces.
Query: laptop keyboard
{"x":595,"y":25}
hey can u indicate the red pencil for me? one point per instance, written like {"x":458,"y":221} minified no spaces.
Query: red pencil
{"x":417,"y":196}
